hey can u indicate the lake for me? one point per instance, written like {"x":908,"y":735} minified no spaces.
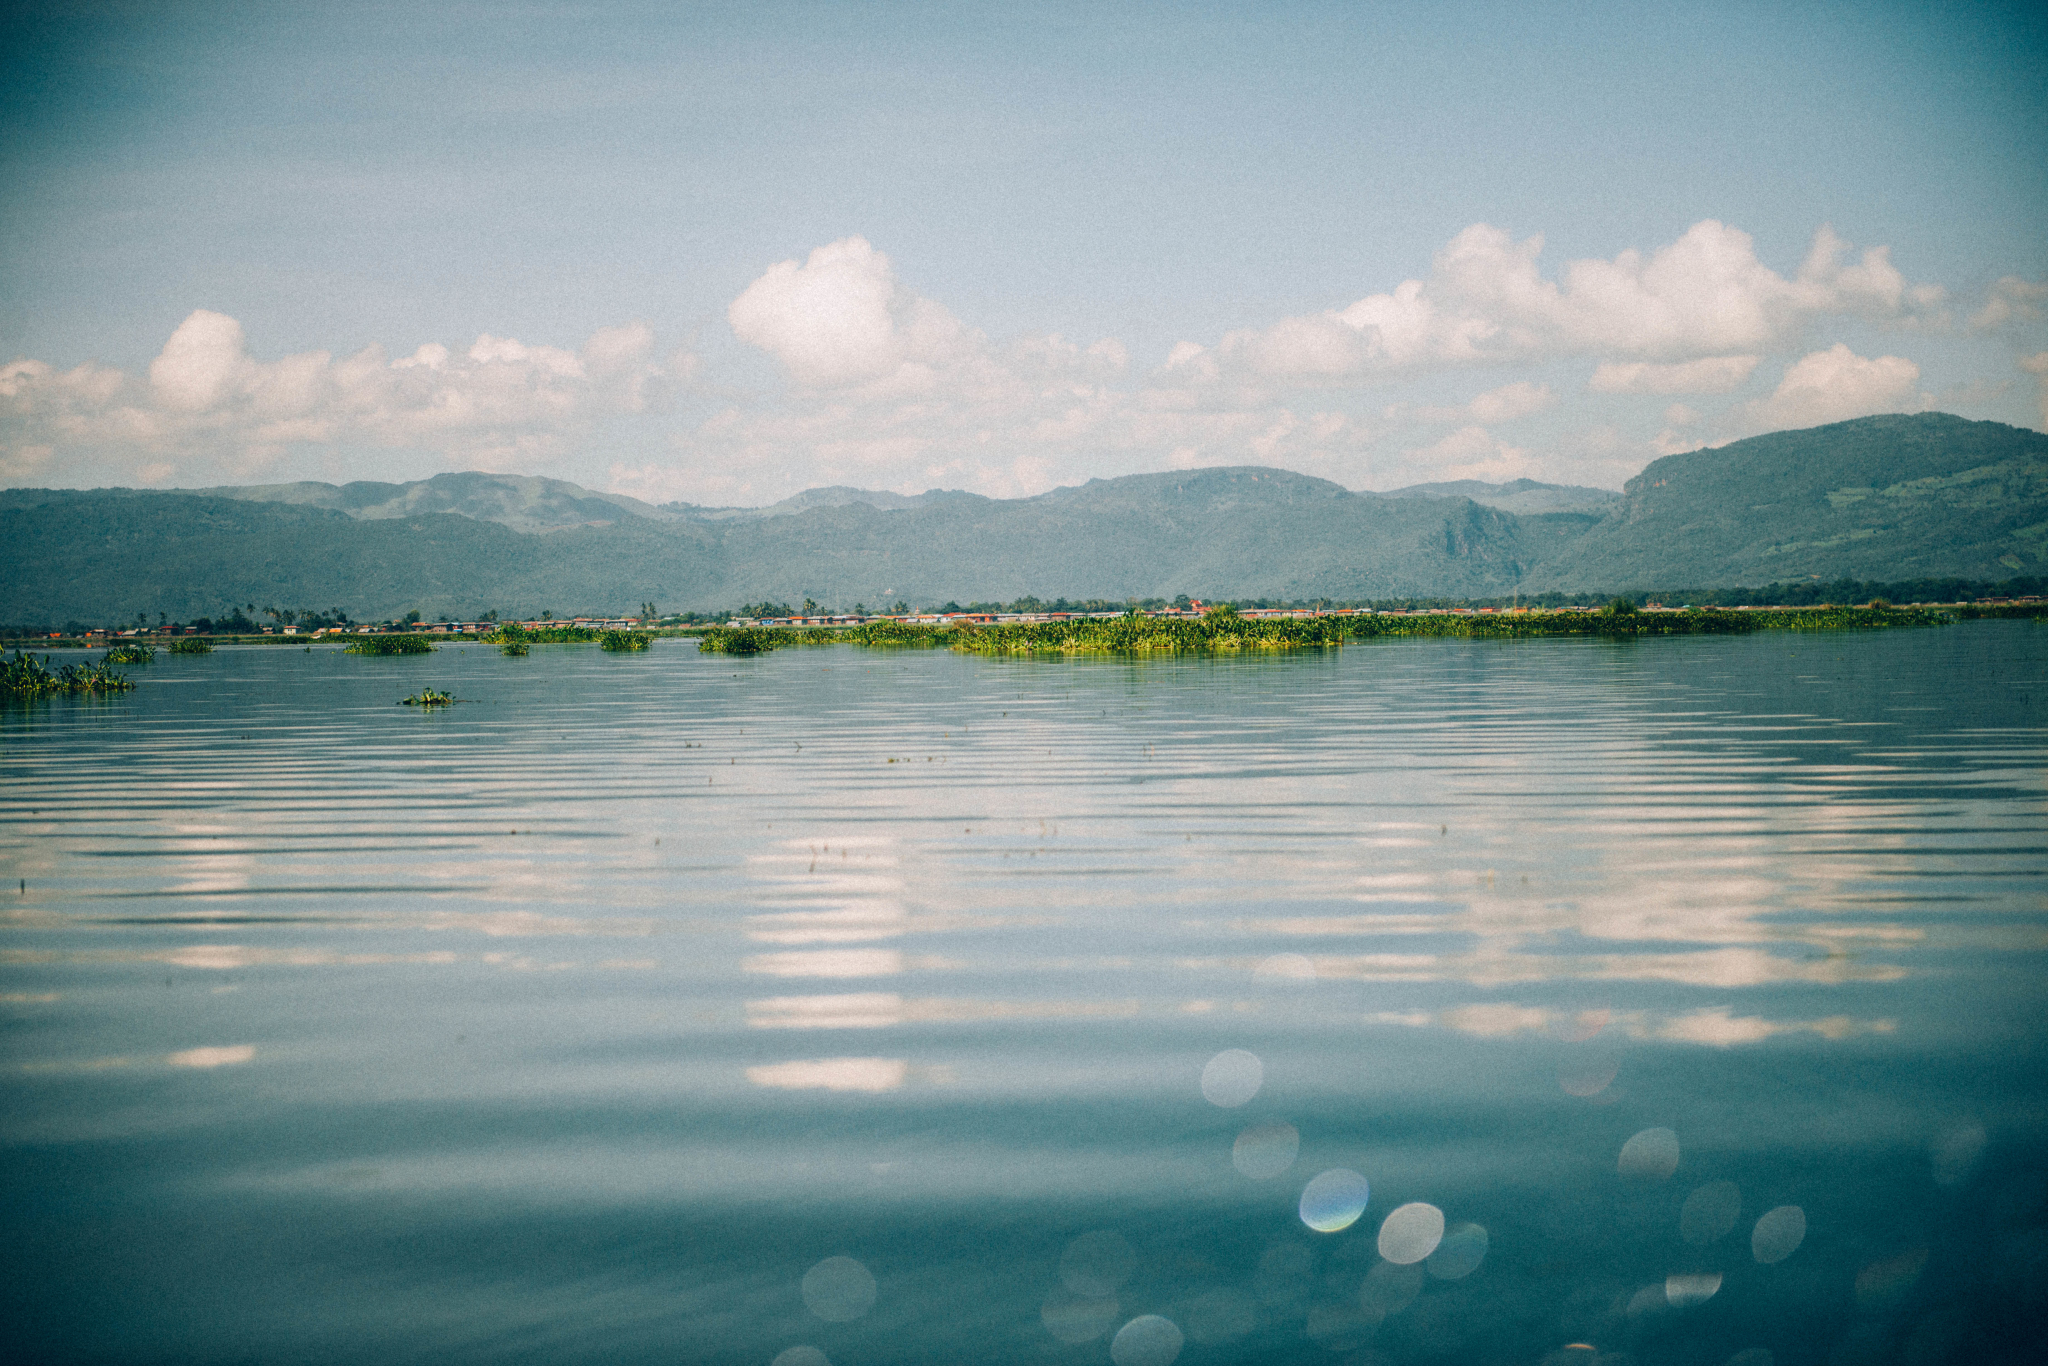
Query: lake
{"x":1580,"y":1001}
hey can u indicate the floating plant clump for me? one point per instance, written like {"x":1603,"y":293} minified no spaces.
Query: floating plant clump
{"x":429,"y":697}
{"x":625,"y":640}
{"x":134,"y":653}
{"x":192,"y":645}
{"x":26,"y":676}
{"x":744,"y":640}
{"x":388,"y":645}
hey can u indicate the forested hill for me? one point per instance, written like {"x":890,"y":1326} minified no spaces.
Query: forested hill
{"x":1894,"y":497}
{"x":1228,"y":532}
{"x":1884,"y":498}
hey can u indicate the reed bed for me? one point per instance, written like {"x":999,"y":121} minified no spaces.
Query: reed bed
{"x":25,"y":676}
{"x":389,"y":645}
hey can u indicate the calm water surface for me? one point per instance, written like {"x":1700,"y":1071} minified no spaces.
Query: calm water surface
{"x":1670,"y":1002}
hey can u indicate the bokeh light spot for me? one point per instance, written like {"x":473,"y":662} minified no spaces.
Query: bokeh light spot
{"x":1077,"y":1318}
{"x":1232,"y":1078}
{"x":839,"y":1290}
{"x":1095,"y":1264}
{"x":1778,"y":1234}
{"x":1459,"y":1254}
{"x":1147,"y":1340}
{"x":1411,"y":1233}
{"x":1954,"y":1153}
{"x":1389,"y":1288}
{"x":1221,"y":1315}
{"x":1651,"y":1155}
{"x":1334,"y":1200}
{"x":1265,"y":1151}
{"x":1684,"y":1291}
{"x":1710,"y":1212}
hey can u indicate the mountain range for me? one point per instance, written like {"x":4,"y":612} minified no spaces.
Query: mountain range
{"x":1878,"y":498}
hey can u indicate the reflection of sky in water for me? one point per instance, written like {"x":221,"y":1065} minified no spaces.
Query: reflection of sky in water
{"x":599,"y":1018}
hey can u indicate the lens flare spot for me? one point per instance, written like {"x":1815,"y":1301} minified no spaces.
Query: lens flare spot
{"x":1265,"y":1151}
{"x":1459,"y":1254}
{"x":1147,"y":1340}
{"x":1332,"y":1201}
{"x":1411,"y":1233}
{"x":1710,"y":1212}
{"x":1651,"y":1155}
{"x":1095,"y":1264}
{"x":839,"y":1290}
{"x":1778,"y":1234}
{"x":1684,"y":1291}
{"x":1077,"y":1318}
{"x":1232,"y":1078}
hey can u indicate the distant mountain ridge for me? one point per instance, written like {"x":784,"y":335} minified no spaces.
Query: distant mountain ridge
{"x":1892,"y":497}
{"x":1880,"y":498}
{"x":1520,"y":495}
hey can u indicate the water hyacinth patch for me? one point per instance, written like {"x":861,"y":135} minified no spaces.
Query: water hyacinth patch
{"x":429,"y":697}
{"x":388,"y":645}
{"x":134,"y":653}
{"x":191,"y":645}
{"x":626,"y":640}
{"x":25,"y":676}
{"x":743,"y":640}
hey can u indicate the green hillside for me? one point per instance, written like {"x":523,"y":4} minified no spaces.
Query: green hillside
{"x":1878,"y":499}
{"x":87,"y":555}
{"x":1894,"y":497}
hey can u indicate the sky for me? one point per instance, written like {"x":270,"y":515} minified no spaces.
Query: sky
{"x":723,"y":253}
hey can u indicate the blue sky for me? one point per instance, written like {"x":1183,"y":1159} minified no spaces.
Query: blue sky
{"x":721,"y":253}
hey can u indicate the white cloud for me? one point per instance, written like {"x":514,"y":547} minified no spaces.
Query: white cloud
{"x":1708,"y":375}
{"x":1487,"y":301}
{"x":2010,"y":300}
{"x":1511,"y":401}
{"x":206,"y":403}
{"x":1835,"y":385}
{"x":842,"y":319}
{"x":1470,"y":453}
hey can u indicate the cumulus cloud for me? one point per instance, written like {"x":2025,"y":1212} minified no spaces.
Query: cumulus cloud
{"x":1708,"y":375}
{"x":1835,"y":385}
{"x":1505,"y":404}
{"x":1487,"y":301}
{"x":206,"y":402}
{"x":2011,"y":300}
{"x":842,"y":319}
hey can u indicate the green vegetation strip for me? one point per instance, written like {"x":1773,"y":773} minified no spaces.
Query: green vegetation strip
{"x":428,"y":697}
{"x":388,"y":645}
{"x":26,"y":676}
{"x":625,"y":640}
{"x":514,"y":633}
{"x":745,"y":640}
{"x":1224,"y":632}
